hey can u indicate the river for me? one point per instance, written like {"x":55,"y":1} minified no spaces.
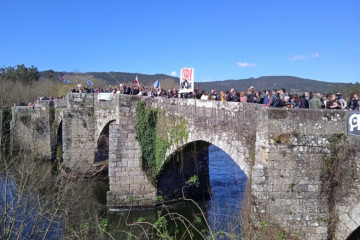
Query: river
{"x":222,"y":211}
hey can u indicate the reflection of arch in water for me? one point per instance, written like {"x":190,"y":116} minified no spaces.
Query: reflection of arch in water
{"x":183,"y":163}
{"x":102,"y":149}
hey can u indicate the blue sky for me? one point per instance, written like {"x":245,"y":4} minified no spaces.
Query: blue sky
{"x":221,"y":39}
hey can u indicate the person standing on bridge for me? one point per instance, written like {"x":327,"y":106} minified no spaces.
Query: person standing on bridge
{"x":275,"y":99}
{"x":250,"y":95}
{"x":222,"y":96}
{"x":352,"y":103}
{"x":243,"y":97}
{"x":315,"y":102}
{"x":303,"y":102}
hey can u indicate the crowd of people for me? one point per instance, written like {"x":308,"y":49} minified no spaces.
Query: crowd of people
{"x":39,"y":99}
{"x":274,"y":98}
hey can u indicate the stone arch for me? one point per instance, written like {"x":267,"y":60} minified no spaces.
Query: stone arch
{"x":355,"y":235}
{"x":348,"y":225}
{"x":192,"y":158}
{"x":234,"y":148}
{"x":102,"y":123}
{"x":59,"y":141}
{"x":59,"y":131}
{"x":102,"y":144}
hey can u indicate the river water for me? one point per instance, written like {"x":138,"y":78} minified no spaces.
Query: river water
{"x":222,"y":211}
{"x":227,"y":182}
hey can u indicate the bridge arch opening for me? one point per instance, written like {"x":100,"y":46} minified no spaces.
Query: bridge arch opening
{"x":59,"y":142}
{"x":218,"y":174}
{"x":102,"y":148}
{"x":355,"y":235}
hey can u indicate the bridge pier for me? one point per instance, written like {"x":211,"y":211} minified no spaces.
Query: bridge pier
{"x":129,"y":185}
{"x":79,"y":144}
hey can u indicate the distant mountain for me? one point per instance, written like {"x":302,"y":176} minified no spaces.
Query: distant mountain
{"x":291,"y":84}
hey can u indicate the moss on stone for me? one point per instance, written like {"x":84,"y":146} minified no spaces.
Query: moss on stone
{"x":156,"y":133}
{"x":277,"y":113}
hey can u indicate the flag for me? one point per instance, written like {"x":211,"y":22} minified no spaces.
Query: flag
{"x":136,"y":81}
{"x":88,"y":82}
{"x":156,"y":84}
{"x":67,"y":81}
{"x":197,"y":88}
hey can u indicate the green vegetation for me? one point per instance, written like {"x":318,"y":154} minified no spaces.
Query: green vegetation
{"x":290,"y":187}
{"x":295,"y":133}
{"x":277,"y":139}
{"x":19,"y":73}
{"x":346,"y":89}
{"x":131,"y":199}
{"x":5,"y":119}
{"x":283,"y":139}
{"x":59,"y":152}
{"x":263,"y":224}
{"x":25,"y":119}
{"x":156,"y":132}
{"x":84,"y":124}
{"x":337,"y":174}
{"x":104,"y":224}
{"x":280,"y":236}
{"x":194,"y":180}
{"x":291,"y":84}
{"x":141,"y":219}
{"x":159,"y":198}
{"x":113,"y":78}
{"x":26,"y":84}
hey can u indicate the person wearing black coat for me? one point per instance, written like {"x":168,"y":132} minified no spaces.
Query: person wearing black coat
{"x":236,"y":97}
{"x":275,"y":99}
{"x":303,"y":102}
{"x":352,"y":103}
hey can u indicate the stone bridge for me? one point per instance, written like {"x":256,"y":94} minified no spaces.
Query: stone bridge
{"x":303,"y":171}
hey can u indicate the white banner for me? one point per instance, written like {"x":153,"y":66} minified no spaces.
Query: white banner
{"x":104,"y":96}
{"x":186,"y":80}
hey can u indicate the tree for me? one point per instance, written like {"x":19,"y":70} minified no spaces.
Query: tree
{"x":49,"y":74}
{"x":19,"y":73}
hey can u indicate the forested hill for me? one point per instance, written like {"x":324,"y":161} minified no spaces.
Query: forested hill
{"x":291,"y":84}
{"x":115,"y":78}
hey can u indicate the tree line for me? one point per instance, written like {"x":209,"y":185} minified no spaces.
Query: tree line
{"x":19,"y":73}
